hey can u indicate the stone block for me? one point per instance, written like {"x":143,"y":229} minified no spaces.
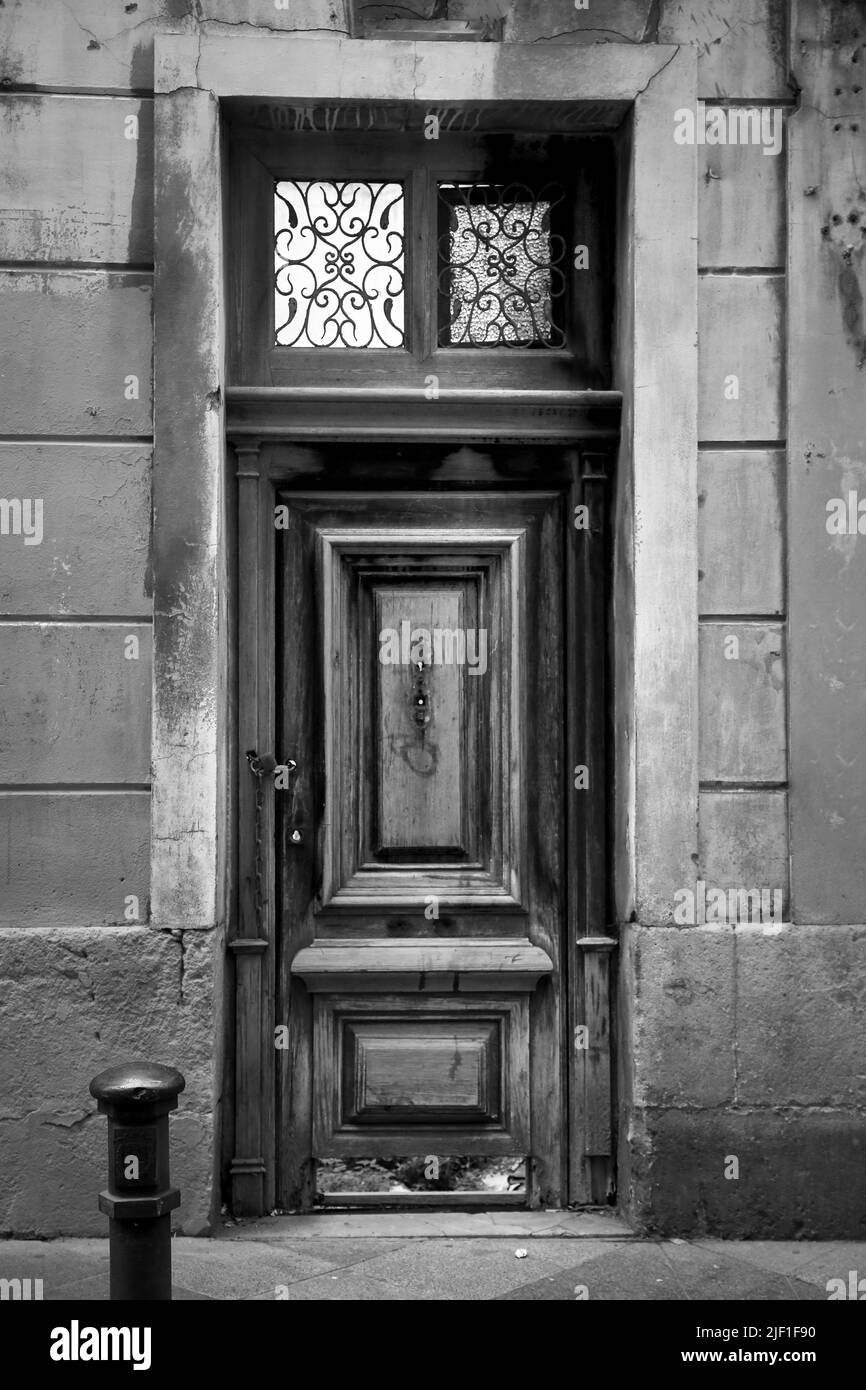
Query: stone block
{"x":741,"y":532}
{"x":742,"y":702}
{"x":72,"y":342}
{"x":76,"y":180}
{"x":743,"y":840}
{"x":74,"y":1003}
{"x":741,"y":376}
{"x":741,"y":205}
{"x":741,"y":44}
{"x":74,"y":859}
{"x":74,"y":707}
{"x":802,"y":1174}
{"x":94,"y":555}
{"x":801,"y":1000}
{"x":682,"y":1041}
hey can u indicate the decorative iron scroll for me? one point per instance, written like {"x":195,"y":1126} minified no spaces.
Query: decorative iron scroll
{"x":501,"y":270}
{"x":339,"y":261}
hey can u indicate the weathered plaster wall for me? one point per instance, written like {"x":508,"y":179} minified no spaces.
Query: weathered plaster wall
{"x":744,"y":1108}
{"x":827,"y":459}
{"x":86,"y":978}
{"x":737,"y":1042}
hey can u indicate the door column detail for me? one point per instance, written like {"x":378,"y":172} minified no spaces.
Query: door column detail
{"x":254,"y":908}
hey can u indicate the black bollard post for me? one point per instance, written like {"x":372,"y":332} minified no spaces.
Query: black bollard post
{"x":139,"y":1197}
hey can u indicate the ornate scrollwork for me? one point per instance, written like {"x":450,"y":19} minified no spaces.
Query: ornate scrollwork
{"x":500,"y":266}
{"x":339,"y":261}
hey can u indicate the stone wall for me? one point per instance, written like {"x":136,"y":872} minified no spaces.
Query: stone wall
{"x":737,"y":1041}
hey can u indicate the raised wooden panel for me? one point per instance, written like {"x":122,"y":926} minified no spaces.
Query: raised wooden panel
{"x":741,"y":532}
{"x":742,"y":702}
{"x":76,"y":180}
{"x":430,"y":804}
{"x":741,"y":205}
{"x":448,"y":1075}
{"x":94,"y":552}
{"x":421,"y":789}
{"x":71,"y":341}
{"x":741,"y":323}
{"x":444,"y":967}
{"x":595,"y":1058}
{"x":73,"y":706}
{"x":436,"y":1071}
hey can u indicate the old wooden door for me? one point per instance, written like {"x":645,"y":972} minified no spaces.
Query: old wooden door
{"x":420,"y":688}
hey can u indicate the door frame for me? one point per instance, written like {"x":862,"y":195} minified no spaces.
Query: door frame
{"x":587,"y":942}
{"x":196,"y":783}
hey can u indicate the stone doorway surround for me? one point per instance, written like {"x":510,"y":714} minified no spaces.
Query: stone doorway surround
{"x":655,"y":608}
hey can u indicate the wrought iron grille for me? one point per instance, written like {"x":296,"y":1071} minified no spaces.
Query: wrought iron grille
{"x":339,"y":264}
{"x":501,"y":266}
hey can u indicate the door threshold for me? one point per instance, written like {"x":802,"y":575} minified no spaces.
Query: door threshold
{"x":407,"y":1201}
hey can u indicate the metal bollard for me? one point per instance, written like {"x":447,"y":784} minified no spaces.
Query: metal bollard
{"x":139,"y":1198}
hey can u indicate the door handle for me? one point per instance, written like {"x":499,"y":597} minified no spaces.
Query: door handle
{"x":265,"y":765}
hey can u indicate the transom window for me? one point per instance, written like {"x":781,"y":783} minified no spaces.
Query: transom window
{"x":501,"y":276}
{"x":339,"y":264}
{"x":383,"y":258}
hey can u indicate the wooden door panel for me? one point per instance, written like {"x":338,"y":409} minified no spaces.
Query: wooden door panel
{"x":420,"y":783}
{"x":449,"y":789}
{"x":416,"y":1072}
{"x":400,"y":1075}
{"x":424,"y":905}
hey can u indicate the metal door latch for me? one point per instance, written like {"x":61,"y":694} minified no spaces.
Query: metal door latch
{"x":265,"y":765}
{"x":262,"y":765}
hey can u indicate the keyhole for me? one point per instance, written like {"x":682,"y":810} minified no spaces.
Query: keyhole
{"x":419,"y":698}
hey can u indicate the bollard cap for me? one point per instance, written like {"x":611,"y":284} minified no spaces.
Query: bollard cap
{"x":137,"y":1083}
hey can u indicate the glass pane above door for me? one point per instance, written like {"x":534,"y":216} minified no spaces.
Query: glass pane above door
{"x":501,"y":266}
{"x":338,"y":264}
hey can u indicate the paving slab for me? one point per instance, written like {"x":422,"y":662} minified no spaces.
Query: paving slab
{"x":468,"y":1269}
{"x":717,"y":1274}
{"x":92,"y":1289}
{"x":225,"y":1271}
{"x":332,"y":1253}
{"x":56,"y":1262}
{"x":642,"y":1274}
{"x":350,"y":1285}
{"x":833,"y":1261}
{"x":783,"y":1256}
{"x":645,"y":1274}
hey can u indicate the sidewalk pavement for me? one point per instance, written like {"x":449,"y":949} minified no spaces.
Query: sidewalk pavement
{"x":460,"y":1256}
